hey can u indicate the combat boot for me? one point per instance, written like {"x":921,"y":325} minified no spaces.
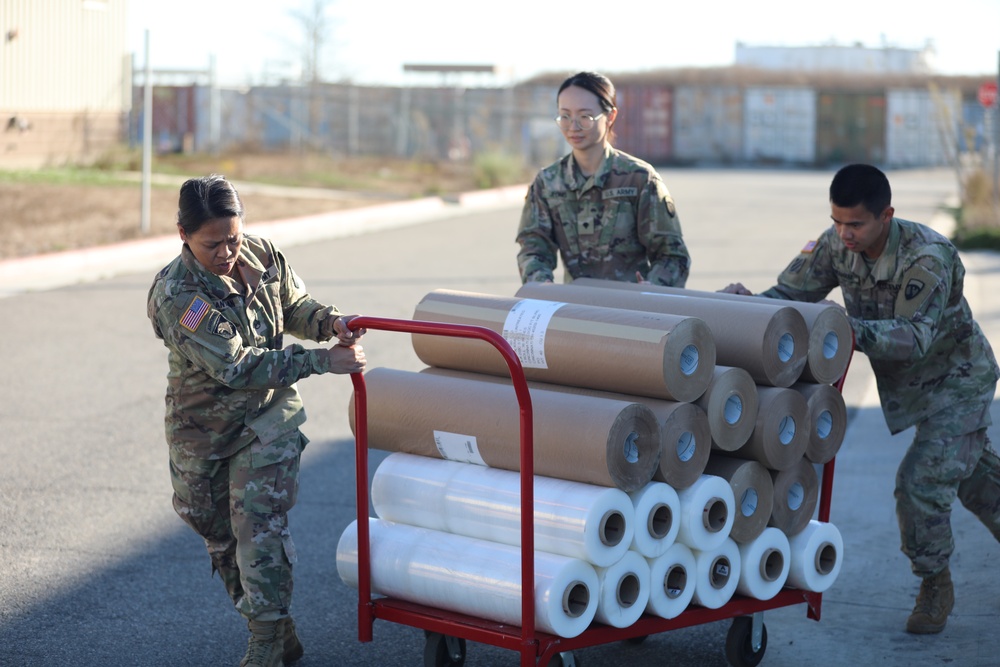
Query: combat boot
{"x":293,"y":647}
{"x":934,"y":602}
{"x":265,"y":646}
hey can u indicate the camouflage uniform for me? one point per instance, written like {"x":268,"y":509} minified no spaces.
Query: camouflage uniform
{"x":619,"y":221}
{"x":934,"y":369}
{"x":233,"y":412}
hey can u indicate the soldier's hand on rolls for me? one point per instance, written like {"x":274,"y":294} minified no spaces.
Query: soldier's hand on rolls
{"x":736,"y":288}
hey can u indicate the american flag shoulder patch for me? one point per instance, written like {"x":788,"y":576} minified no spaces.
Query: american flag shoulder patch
{"x":195,"y":313}
{"x":809,"y":247}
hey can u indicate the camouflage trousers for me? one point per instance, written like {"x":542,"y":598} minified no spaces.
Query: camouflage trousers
{"x":950,"y":457}
{"x":239,"y":506}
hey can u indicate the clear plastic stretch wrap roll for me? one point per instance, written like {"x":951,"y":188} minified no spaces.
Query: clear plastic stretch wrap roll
{"x":718,"y":574}
{"x":769,"y":338}
{"x":573,"y":519}
{"x":657,"y":519}
{"x":764,"y":565}
{"x":672,"y":579}
{"x":707,"y":508}
{"x":469,"y":576}
{"x":817,"y":556}
{"x":624,"y":590}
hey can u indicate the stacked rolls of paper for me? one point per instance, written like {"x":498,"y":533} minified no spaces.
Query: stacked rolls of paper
{"x":828,"y":419}
{"x":576,"y":437}
{"x":817,"y":556}
{"x":796,"y":492}
{"x":768,"y":338}
{"x":717,"y":574}
{"x":685,"y":439}
{"x":730,"y":403}
{"x":781,"y":433}
{"x":656,"y":519}
{"x":764,"y":564}
{"x":648,"y":354}
{"x":624,"y":591}
{"x":672,"y":578}
{"x":706,"y":513}
{"x":483,"y":578}
{"x":573,"y":519}
{"x":830,"y":337}
{"x":753,"y":491}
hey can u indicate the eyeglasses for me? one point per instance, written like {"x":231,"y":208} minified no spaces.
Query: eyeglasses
{"x":584,"y":122}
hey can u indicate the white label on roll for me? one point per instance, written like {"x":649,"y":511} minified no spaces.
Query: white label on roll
{"x":458,"y":447}
{"x":525,"y":327}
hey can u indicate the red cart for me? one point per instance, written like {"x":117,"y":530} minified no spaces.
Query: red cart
{"x":446,"y":632}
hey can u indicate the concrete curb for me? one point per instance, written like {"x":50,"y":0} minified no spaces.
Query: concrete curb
{"x":48,"y":271}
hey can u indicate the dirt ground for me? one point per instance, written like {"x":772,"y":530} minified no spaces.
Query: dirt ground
{"x":44,"y":217}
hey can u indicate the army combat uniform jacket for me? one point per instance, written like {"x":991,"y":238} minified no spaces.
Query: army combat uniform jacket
{"x":619,"y":221}
{"x":230,"y":378}
{"x":908,"y":314}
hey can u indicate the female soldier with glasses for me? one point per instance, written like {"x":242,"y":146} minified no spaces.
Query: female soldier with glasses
{"x":607,"y":213}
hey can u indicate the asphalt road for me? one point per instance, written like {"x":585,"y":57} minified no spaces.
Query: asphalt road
{"x":96,"y":569}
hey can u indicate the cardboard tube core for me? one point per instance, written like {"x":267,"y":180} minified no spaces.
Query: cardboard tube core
{"x":627,"y":591}
{"x":661,"y":519}
{"x":720,"y":572}
{"x":771,"y":565}
{"x":675,"y":582}
{"x":715,"y":515}
{"x":612,"y":528}
{"x":826,"y":558}
{"x":576,"y":599}
{"x":734,"y":409}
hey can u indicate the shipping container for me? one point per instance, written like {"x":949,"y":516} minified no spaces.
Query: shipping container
{"x":850,"y":127}
{"x":976,"y":126}
{"x":644,"y":127}
{"x":708,"y":124}
{"x":921,"y":127}
{"x":541,"y":140}
{"x":779,"y":125}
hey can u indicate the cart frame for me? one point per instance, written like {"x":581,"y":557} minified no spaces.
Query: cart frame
{"x":535,"y":648}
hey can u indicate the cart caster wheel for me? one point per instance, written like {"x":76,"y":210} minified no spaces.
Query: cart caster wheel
{"x":566,"y":659}
{"x":739,"y":643}
{"x":443,"y":651}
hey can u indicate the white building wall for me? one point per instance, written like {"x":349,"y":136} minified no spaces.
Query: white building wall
{"x":63,"y":56}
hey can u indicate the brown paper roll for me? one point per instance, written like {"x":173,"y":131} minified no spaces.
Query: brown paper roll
{"x":645,"y":354}
{"x":753,"y":490}
{"x":828,"y":420}
{"x":831,"y":342}
{"x":767,"y":338}
{"x":781,"y":434}
{"x":579,"y":438}
{"x":796,"y":492}
{"x":685,"y":438}
{"x":730,"y":404}
{"x":830,"y":337}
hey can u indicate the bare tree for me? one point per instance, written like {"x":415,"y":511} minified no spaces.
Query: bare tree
{"x":317,"y":32}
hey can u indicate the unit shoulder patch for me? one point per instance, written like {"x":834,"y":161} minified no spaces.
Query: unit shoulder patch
{"x":916,"y":286}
